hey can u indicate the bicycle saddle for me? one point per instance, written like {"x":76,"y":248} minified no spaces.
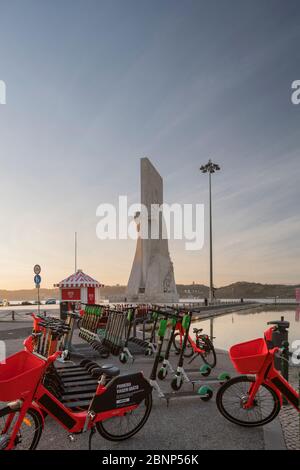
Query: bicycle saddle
{"x":197,"y":330}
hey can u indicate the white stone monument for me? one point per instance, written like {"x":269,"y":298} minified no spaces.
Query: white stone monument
{"x":152,"y":274}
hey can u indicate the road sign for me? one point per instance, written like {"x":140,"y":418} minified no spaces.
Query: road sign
{"x":37,"y":279}
{"x":37,"y":269}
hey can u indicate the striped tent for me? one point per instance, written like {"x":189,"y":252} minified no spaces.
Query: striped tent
{"x":78,"y":279}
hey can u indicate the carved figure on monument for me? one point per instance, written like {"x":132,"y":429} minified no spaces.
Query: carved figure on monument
{"x":152,"y":274}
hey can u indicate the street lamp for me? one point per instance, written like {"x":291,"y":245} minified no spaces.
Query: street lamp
{"x":210,"y":168}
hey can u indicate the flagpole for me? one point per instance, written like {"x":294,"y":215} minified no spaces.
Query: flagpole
{"x":75,"y":252}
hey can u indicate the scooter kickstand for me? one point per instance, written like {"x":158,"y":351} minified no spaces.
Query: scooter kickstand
{"x":92,"y":432}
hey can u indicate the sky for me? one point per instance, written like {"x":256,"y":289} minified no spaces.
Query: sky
{"x":94,"y":85}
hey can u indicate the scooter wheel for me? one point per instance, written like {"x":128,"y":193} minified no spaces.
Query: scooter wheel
{"x":123,"y":358}
{"x":205,"y":370}
{"x":176,"y":386}
{"x":205,"y":393}
{"x":162,"y":373}
{"x":224,"y":377}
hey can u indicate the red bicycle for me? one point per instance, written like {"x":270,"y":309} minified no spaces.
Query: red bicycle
{"x":119,"y":408}
{"x":202,"y":346}
{"x":256,"y":399}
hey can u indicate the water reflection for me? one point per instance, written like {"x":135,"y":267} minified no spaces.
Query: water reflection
{"x":243,"y":326}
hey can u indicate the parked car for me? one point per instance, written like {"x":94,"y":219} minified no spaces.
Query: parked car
{"x":50,"y":302}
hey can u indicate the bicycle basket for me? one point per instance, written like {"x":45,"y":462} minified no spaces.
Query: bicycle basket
{"x":249,"y":357}
{"x":19,"y":375}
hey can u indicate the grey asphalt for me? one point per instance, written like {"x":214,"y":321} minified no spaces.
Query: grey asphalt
{"x":187,"y":423}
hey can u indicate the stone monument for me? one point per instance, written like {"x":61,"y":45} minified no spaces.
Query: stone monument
{"x":152,"y":274}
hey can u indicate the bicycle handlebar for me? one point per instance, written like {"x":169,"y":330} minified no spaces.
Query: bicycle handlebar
{"x":277,"y":351}
{"x":279,"y":323}
{"x":53,"y":357}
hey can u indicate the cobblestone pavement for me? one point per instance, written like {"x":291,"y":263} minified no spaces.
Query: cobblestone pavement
{"x":289,"y":417}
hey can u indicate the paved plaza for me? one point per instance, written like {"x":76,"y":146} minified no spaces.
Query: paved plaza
{"x":187,"y":423}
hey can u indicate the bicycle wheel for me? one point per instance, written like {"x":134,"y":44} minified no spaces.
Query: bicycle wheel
{"x":209,"y":354}
{"x":119,"y":428}
{"x":177,"y":343}
{"x":233,"y":394}
{"x":30,"y":430}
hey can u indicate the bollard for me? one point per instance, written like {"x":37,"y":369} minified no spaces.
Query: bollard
{"x":211,"y":321}
{"x":284,"y":366}
{"x":13,"y":315}
{"x":63,"y":310}
{"x":280,"y":339}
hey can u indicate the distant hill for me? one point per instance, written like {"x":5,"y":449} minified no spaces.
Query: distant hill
{"x":28,"y":294}
{"x":236,"y":290}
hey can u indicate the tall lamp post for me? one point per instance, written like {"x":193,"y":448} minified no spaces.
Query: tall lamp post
{"x":210,"y":168}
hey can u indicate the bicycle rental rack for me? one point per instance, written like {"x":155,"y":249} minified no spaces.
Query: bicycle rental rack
{"x":101,"y":328}
{"x":138,"y":346}
{"x":74,"y":385}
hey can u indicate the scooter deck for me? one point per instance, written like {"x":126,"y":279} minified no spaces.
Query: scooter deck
{"x":190,"y":371}
{"x":185,"y":393}
{"x":171,"y":395}
{"x":212,"y":380}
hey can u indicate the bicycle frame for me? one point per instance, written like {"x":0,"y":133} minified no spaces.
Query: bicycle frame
{"x":193,"y":344}
{"x":80,"y":421}
{"x":271,"y":377}
{"x":26,"y":401}
{"x":106,"y":403}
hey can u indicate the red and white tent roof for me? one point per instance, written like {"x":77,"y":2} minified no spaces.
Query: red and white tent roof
{"x":78,"y":279}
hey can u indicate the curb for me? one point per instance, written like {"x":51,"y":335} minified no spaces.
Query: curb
{"x":273,"y":436}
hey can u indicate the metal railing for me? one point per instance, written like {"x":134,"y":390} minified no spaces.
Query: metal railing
{"x":14,"y":315}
